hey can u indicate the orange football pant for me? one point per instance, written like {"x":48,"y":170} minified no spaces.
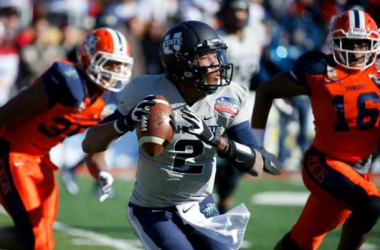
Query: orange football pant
{"x":29,"y":193}
{"x":332,"y":184}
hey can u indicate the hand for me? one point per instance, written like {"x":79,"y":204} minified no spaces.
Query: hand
{"x":105,"y":181}
{"x":271,"y":164}
{"x":128,"y":122}
{"x":199,"y":128}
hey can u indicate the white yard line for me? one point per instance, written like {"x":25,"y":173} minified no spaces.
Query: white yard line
{"x":92,"y":238}
{"x":85,"y":237}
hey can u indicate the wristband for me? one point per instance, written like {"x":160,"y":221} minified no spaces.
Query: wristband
{"x":116,"y":126}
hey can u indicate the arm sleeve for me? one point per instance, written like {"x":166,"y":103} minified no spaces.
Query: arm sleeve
{"x":242,"y":134}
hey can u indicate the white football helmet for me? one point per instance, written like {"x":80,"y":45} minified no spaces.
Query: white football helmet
{"x":353,"y":25}
{"x":102,"y":46}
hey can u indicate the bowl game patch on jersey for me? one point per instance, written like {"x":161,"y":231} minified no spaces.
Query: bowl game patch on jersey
{"x":227,"y":105}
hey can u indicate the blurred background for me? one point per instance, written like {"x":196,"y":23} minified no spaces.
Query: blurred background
{"x":35,"y":33}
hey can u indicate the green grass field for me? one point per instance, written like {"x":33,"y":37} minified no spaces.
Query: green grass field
{"x":85,"y":223}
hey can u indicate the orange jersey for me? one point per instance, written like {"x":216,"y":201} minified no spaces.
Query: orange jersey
{"x":345,"y":105}
{"x":72,"y":112}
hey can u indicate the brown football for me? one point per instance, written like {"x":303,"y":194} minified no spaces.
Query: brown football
{"x":156,"y":130}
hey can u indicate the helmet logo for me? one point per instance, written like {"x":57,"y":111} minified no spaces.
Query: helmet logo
{"x":90,"y":43}
{"x":172,"y":44}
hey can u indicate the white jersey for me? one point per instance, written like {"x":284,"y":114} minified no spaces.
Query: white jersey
{"x":185,"y":171}
{"x":245,"y":53}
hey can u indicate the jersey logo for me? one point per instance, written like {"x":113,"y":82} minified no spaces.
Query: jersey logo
{"x":332,"y":75}
{"x":208,"y":117}
{"x":227,"y":105}
{"x":375,"y":79}
{"x":172,"y":44}
{"x":70,"y":72}
{"x":185,"y":210}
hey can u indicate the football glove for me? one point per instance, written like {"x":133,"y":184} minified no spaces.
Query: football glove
{"x":271,"y":164}
{"x":199,"y":128}
{"x":129,"y":121}
{"x":105,"y":181}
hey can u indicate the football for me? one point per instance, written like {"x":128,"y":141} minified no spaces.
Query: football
{"x":156,"y":130}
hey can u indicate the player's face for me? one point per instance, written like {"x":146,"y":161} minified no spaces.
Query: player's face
{"x":356,"y":45}
{"x":209,"y":59}
{"x":115,"y":66}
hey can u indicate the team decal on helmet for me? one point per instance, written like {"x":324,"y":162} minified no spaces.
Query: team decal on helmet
{"x":172,"y":44}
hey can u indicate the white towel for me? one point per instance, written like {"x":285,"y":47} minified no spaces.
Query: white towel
{"x":228,"y":228}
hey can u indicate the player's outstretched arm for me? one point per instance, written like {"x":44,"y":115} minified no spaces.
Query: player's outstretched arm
{"x":28,"y":101}
{"x":278,"y":86}
{"x":99,"y":138}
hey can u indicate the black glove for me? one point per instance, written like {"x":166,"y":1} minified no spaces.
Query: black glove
{"x":199,"y":128}
{"x":129,"y":121}
{"x":271,"y":164}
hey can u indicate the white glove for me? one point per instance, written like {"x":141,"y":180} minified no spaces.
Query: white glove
{"x":271,"y":164}
{"x":105,"y":181}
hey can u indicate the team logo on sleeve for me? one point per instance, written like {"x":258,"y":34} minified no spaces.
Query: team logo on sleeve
{"x":375,"y":79}
{"x":227,"y":105}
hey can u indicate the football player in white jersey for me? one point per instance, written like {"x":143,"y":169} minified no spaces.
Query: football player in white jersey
{"x":206,"y":106}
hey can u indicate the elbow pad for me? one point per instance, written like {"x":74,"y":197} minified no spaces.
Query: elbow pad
{"x":240,"y":156}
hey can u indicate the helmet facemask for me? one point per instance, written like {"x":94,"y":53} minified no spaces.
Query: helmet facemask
{"x":108,"y":79}
{"x":104,"y":55}
{"x":354,"y":40}
{"x":342,"y":54}
{"x":208,"y":59}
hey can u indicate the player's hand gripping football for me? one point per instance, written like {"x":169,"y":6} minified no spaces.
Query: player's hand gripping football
{"x":105,"y":181}
{"x":271,"y":164}
{"x":129,"y":121}
{"x":199,"y":128}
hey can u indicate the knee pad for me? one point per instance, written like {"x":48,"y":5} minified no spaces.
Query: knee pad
{"x":365,"y":215}
{"x":288,"y":243}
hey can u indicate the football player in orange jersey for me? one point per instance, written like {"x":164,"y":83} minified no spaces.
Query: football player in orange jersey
{"x":65,"y":100}
{"x":344,"y":89}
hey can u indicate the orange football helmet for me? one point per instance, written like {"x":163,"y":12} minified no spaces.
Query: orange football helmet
{"x":102,"y":47}
{"x":358,"y":26}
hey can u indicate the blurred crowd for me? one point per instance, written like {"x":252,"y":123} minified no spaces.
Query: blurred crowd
{"x":35,"y":33}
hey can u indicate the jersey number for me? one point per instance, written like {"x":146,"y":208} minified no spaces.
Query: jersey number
{"x":190,"y":149}
{"x":61,"y":126}
{"x":366,"y":118}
